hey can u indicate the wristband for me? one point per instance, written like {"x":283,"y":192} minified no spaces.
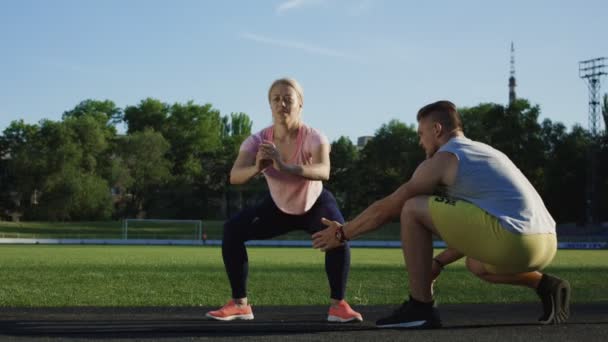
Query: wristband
{"x":340,"y":234}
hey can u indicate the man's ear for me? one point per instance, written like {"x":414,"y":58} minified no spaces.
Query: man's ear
{"x":437,"y":129}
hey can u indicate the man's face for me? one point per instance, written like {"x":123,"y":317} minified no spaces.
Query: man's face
{"x":428,"y":135}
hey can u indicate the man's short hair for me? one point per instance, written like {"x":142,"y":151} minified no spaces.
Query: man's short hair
{"x":444,"y":112}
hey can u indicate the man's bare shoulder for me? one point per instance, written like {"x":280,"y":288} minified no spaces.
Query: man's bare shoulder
{"x":444,"y":157}
{"x":441,"y":167}
{"x":438,"y":161}
{"x":445,"y":164}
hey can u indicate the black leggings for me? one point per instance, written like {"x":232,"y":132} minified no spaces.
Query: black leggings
{"x":266,"y":221}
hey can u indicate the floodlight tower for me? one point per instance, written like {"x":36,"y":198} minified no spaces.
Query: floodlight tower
{"x":592,"y":71}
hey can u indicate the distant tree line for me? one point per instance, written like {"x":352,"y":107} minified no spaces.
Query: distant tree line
{"x":174,"y":162}
{"x":553,"y":158}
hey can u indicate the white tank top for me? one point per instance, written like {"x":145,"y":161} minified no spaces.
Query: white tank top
{"x":488,"y":178}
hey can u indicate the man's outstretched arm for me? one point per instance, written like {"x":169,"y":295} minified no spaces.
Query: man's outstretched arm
{"x":424,"y":181}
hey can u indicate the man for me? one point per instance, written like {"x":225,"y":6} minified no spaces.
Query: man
{"x":491,"y":215}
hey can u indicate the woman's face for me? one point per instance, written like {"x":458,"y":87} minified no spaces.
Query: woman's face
{"x":285,"y":104}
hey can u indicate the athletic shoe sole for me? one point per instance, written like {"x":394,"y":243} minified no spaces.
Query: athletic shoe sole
{"x":412,"y":325}
{"x":246,"y":317}
{"x":336,"y":319}
{"x":560,"y":300}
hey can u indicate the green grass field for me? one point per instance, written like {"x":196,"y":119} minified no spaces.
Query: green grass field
{"x":213,"y":229}
{"x":113,"y":230}
{"x":55,"y":276}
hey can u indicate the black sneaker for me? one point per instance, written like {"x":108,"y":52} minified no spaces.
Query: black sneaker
{"x":412,"y":315}
{"x":554,"y":294}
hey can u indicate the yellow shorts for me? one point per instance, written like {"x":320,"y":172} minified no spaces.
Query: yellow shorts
{"x":479,"y":235}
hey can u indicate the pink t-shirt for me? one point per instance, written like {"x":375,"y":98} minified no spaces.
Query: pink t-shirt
{"x":292,"y":194}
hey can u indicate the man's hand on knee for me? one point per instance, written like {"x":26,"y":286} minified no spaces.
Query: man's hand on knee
{"x":328,"y":238}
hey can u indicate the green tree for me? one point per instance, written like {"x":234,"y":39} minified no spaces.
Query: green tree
{"x":564,"y":192}
{"x":144,"y":156}
{"x":70,"y":195}
{"x":93,"y":122}
{"x":237,"y":126}
{"x":235,"y":129}
{"x":92,"y":141}
{"x":386,"y":162}
{"x":21,"y":172}
{"x":343,"y":158}
{"x":57,"y":156}
{"x":105,"y":112}
{"x":191,"y":130}
{"x":149,"y":113}
{"x":68,"y":153}
{"x":16,"y":136}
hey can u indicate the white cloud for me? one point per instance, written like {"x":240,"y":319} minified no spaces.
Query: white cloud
{"x":295,"y":4}
{"x":350,"y":7}
{"x":312,"y":49}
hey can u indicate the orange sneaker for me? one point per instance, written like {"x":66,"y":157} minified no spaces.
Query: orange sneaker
{"x":231,"y":311}
{"x":343,"y":313}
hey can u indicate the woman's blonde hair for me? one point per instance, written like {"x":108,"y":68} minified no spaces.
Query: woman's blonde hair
{"x":289,"y":82}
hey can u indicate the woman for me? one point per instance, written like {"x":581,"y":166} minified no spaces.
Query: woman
{"x":294,"y":159}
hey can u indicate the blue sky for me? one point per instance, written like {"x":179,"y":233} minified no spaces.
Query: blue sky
{"x":361,"y":62}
